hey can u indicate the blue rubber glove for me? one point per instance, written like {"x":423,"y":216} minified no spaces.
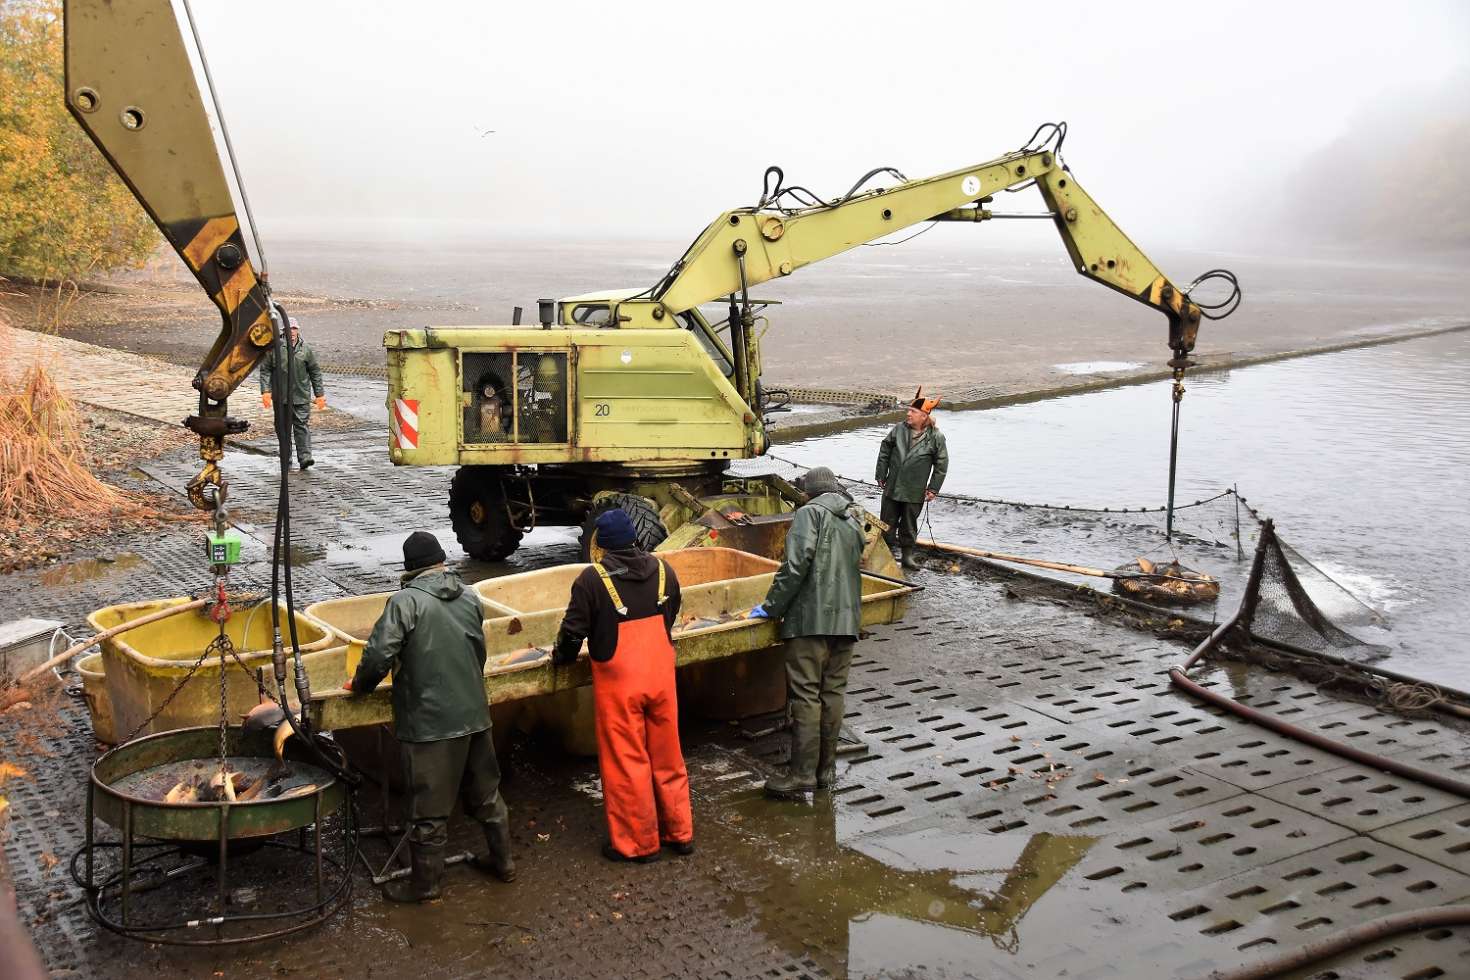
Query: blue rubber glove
{"x":758,"y":612}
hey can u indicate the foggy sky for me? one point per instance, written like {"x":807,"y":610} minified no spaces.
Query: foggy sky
{"x":646,"y":120}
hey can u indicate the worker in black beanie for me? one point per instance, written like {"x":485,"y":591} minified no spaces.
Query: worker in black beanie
{"x":431,"y":635}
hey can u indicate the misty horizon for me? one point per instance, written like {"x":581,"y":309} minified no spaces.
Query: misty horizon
{"x":585,"y":122}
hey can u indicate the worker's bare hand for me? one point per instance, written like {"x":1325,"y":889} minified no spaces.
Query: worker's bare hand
{"x":265,"y":399}
{"x":929,"y":495}
{"x":882,"y":484}
{"x":348,"y":686}
{"x":321,"y":401}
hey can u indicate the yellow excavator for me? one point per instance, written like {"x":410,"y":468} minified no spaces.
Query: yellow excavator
{"x":633,"y":398}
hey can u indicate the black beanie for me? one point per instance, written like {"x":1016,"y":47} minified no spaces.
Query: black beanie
{"x":420,"y":550}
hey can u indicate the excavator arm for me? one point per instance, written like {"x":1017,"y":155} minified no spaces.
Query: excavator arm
{"x":746,"y":247}
{"x":130,"y":86}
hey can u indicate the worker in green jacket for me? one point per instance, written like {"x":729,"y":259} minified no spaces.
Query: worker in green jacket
{"x":817,"y":595}
{"x":431,"y":636}
{"x":912,"y":462}
{"x":305,"y":389}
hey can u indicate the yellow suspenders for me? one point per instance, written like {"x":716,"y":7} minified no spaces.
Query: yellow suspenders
{"x":612,"y":590}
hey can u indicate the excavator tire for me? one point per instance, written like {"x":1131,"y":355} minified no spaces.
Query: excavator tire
{"x":644,"y":513}
{"x":477,"y":512}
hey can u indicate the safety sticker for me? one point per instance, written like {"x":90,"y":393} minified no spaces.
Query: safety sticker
{"x":970,"y":186}
{"x":404,"y":423}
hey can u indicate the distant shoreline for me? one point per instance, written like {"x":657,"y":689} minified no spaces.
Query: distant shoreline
{"x":826,"y":424}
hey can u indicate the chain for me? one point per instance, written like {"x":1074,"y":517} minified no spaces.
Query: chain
{"x":223,"y":645}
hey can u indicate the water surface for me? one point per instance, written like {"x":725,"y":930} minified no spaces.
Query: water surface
{"x":1362,"y":457}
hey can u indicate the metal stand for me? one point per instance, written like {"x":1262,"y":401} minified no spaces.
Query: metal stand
{"x":118,"y":890}
{"x":387,"y":873}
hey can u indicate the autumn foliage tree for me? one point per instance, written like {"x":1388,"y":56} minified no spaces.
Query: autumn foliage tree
{"x":63,"y":212}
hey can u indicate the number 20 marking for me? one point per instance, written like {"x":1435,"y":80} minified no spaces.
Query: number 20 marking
{"x":601,"y":409}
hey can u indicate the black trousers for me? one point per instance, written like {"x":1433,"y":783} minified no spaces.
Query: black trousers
{"x":439,"y":772}
{"x":903,"y":521}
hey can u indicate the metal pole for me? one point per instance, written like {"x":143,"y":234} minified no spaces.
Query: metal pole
{"x":1239,"y":551}
{"x":319,"y":846}
{"x":91,"y":789}
{"x":224,"y":850}
{"x":127,"y":857}
{"x":1174,"y":451}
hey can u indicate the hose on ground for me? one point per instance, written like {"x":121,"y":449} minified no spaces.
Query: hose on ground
{"x":1329,"y":946}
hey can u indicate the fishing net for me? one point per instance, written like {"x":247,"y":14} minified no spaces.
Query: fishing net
{"x":1211,"y":535}
{"x":1287,"y":598}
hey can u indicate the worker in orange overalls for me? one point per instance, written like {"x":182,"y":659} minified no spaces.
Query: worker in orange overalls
{"x":624,"y":607}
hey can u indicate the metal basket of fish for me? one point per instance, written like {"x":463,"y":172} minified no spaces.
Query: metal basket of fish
{"x":180,"y":805}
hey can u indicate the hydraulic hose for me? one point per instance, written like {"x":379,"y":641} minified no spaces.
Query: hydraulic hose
{"x":1177,"y":676}
{"x":281,"y":559}
{"x":1329,"y":946}
{"x":1383,"y":763}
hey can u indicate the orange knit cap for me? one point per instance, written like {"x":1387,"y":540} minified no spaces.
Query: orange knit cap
{"x":925,"y":405}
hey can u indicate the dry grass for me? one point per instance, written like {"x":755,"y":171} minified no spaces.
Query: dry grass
{"x":45,"y":468}
{"x":51,"y":495}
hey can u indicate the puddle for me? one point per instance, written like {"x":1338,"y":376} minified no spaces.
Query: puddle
{"x":876,"y":897}
{"x":89,"y":569}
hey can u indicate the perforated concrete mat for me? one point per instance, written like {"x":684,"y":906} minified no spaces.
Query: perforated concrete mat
{"x":1312,"y":895}
{"x":1379,"y":731}
{"x":1362,"y":798}
{"x":1189,"y":850}
{"x":1104,"y":696}
{"x":1280,"y":695}
{"x":1257,"y":759}
{"x":1451,"y":757}
{"x":1428,"y":955}
{"x":1169,"y":723}
{"x":1443,"y":837}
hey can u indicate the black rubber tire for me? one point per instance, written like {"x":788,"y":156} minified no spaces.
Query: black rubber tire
{"x":492,"y":537}
{"x":643,"y":512}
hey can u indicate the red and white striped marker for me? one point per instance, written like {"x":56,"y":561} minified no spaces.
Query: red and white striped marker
{"x":404,"y":423}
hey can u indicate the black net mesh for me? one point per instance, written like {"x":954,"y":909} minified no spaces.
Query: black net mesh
{"x":1288,"y":601}
{"x":1105,"y":538}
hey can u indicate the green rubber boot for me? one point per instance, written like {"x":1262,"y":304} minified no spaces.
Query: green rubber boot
{"x":498,"y":862}
{"x":426,"y":881}
{"x":827,"y":764}
{"x":801,"y":774}
{"x":908,"y":559}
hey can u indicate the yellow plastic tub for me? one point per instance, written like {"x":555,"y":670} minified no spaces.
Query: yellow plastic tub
{"x":99,"y":704}
{"x":351,"y":620}
{"x":144,"y":666}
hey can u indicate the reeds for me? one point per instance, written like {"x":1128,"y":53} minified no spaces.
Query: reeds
{"x":45,"y":468}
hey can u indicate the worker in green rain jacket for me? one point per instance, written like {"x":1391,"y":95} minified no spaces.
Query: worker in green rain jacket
{"x":912,"y":462}
{"x":817,"y":595}
{"x":431,"y":636}
{"x":304,"y":386}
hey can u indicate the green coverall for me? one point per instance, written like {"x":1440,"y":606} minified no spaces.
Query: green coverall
{"x":908,"y":465}
{"x":304,"y":384}
{"x":431,"y":635}
{"x":817,"y":594}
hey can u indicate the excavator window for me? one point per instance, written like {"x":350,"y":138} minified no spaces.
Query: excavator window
{"x":515,"y":397}
{"x":687,"y":321}
{"x":592,"y":315}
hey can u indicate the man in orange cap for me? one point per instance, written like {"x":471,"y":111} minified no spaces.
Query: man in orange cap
{"x":912,"y":462}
